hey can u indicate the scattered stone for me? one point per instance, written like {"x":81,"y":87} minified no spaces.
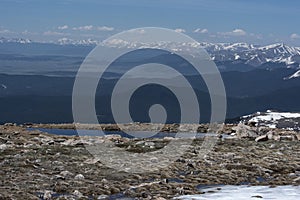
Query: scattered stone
{"x":31,"y":163}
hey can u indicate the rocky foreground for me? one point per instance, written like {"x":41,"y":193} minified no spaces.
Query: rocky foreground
{"x":36,"y":165}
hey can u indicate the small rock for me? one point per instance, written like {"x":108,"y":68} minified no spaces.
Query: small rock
{"x":112,"y":137}
{"x":103,"y":197}
{"x":297,"y":180}
{"x":140,"y":143}
{"x":47,"y":141}
{"x":190,"y":165}
{"x":180,"y":160}
{"x":261,"y":138}
{"x":3,"y":147}
{"x":10,"y":124}
{"x":59,"y":140}
{"x":144,"y":195}
{"x":59,"y":177}
{"x":169,"y":138}
{"x":149,"y":144}
{"x":77,"y":193}
{"x":257,"y":196}
{"x":202,"y":129}
{"x":244,"y":131}
{"x":47,"y":195}
{"x":270,"y":135}
{"x":288,"y":137}
{"x":79,"y":177}
{"x":92,"y":161}
{"x":277,"y":138}
{"x":115,"y":190}
{"x":104,"y":180}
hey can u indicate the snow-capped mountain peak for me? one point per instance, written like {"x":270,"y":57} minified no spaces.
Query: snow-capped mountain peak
{"x":15,"y":40}
{"x":256,"y":55}
{"x":67,"y":41}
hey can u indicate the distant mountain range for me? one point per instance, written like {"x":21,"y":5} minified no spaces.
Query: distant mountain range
{"x":226,"y":55}
{"x":36,"y":79}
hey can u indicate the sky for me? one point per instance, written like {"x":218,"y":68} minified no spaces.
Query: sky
{"x":252,"y":21}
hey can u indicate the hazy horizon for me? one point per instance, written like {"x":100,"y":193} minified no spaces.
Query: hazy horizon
{"x":257,"y":22}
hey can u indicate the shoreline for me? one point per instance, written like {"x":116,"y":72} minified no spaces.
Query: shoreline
{"x":240,"y":131}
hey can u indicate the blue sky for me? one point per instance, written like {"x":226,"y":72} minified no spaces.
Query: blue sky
{"x":255,"y":21}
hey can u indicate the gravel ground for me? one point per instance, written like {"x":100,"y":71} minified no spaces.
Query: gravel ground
{"x":36,"y":165}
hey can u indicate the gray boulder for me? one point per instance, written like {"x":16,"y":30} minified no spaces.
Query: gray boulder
{"x":244,"y":131}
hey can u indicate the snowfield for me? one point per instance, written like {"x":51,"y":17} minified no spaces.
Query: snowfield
{"x":247,"y":193}
{"x":274,"y":116}
{"x":272,"y":119}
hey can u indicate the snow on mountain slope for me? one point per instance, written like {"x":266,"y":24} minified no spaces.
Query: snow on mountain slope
{"x":67,"y":41}
{"x":272,"y":119}
{"x":295,"y":75}
{"x":15,"y":40}
{"x":273,"y":116}
{"x":253,"y":55}
{"x":256,"y":56}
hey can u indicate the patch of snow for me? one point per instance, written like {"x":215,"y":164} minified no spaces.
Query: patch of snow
{"x":272,"y":126}
{"x":236,"y":57}
{"x":272,"y":46}
{"x":289,"y":129}
{"x":247,"y":193}
{"x":67,"y":41}
{"x":15,"y":40}
{"x":3,"y":86}
{"x":295,"y":75}
{"x":274,"y":116}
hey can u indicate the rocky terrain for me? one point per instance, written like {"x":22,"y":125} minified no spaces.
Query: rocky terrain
{"x":36,"y":165}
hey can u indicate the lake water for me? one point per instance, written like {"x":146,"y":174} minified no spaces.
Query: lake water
{"x":243,"y":192}
{"x":143,"y":134}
